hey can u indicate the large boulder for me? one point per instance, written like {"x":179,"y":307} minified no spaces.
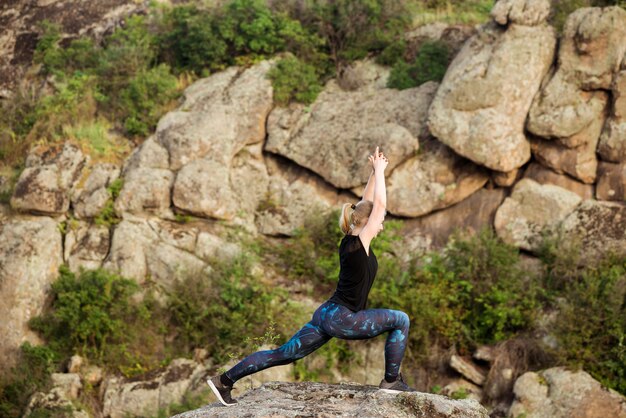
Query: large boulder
{"x":122,"y":397}
{"x":531,"y":208}
{"x":612,"y":146}
{"x":435,"y":178}
{"x":561,"y":393}
{"x":31,"y":252}
{"x":86,"y":246}
{"x":599,"y":228}
{"x":334,"y":136}
{"x":481,"y":106}
{"x":572,"y":104}
{"x":44,"y":185}
{"x":345,"y":400}
{"x":294,"y":195}
{"x":90,"y":196}
{"x":611,"y":182}
{"x":544,"y":175}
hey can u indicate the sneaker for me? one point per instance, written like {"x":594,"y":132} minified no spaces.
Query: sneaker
{"x":395,"y":387}
{"x":222,"y":392}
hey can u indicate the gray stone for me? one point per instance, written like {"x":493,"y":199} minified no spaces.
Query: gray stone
{"x":544,"y":175}
{"x":521,"y":12}
{"x":90,"y":198}
{"x":69,"y":383}
{"x":481,"y":106}
{"x":611,"y":182}
{"x":612,"y":146}
{"x":346,"y":400}
{"x":86,"y":246}
{"x":467,"y":369}
{"x":146,"y":191}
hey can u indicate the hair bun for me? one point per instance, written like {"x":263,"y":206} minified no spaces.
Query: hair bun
{"x":353,"y":206}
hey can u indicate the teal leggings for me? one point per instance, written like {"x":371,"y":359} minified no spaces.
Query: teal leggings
{"x":334,"y":320}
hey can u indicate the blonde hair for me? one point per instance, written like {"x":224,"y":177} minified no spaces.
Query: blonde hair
{"x":353,"y":215}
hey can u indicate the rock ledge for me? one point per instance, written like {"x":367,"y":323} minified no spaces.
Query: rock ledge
{"x":307,"y":399}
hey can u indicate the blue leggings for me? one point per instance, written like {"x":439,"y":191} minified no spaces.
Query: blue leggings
{"x":334,"y":320}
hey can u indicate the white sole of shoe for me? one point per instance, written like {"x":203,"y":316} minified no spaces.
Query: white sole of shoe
{"x":217,"y":393}
{"x":390,"y":390}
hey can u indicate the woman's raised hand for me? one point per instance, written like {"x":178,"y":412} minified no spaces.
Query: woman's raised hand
{"x":378,"y":160}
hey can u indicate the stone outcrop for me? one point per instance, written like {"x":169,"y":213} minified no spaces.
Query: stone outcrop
{"x":30,"y":256}
{"x":558,"y":392}
{"x":572,"y":105}
{"x":612,"y":146}
{"x":90,"y":196}
{"x":598,"y":227}
{"x":480,"y":108}
{"x":53,"y":403}
{"x":334,"y":137}
{"x":44,"y":185}
{"x":86,"y":245}
{"x":21,"y":20}
{"x":544,"y":175}
{"x":122,"y":398}
{"x":611,"y":182}
{"x":435,"y":178}
{"x":346,"y":400}
{"x":531,"y":210}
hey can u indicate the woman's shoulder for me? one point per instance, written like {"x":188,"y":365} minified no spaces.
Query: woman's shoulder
{"x":350,"y":243}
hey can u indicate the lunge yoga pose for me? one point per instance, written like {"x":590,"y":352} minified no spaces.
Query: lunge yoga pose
{"x":344,"y":314}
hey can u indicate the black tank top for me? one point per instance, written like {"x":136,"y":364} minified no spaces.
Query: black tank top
{"x":356,"y":274}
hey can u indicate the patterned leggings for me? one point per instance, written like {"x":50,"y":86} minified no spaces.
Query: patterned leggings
{"x":334,"y":320}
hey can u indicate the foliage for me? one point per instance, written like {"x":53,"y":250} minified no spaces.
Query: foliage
{"x":107,"y":215}
{"x":31,"y":374}
{"x":90,"y":314}
{"x":591,"y":325}
{"x":223,"y":306}
{"x":294,"y":79}
{"x":431,"y":63}
{"x":354,"y":28}
{"x":145,"y":98}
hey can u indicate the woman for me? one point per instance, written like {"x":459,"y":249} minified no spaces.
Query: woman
{"x":344,"y":314}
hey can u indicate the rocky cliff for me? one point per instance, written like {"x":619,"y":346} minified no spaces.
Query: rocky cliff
{"x":524,"y":133}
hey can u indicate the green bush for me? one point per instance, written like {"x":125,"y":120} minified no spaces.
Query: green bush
{"x":31,"y":374}
{"x":91,"y":315}
{"x":293,"y":79}
{"x":354,"y":28}
{"x":591,"y":324}
{"x":145,"y":98}
{"x":216,"y":310}
{"x":431,"y":63}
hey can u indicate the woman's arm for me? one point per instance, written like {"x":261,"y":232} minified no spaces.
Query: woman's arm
{"x":368,"y":193}
{"x":377,"y":216}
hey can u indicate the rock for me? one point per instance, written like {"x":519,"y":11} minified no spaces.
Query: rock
{"x":76,"y":362}
{"x":433,"y":231}
{"x":30,"y":257}
{"x":572,"y":105}
{"x":543,"y":175}
{"x":69,"y":383}
{"x":44,"y":185}
{"x":461,"y":388}
{"x":146,"y":191}
{"x":211,"y":247}
{"x":435,"y":178}
{"x":150,"y":154}
{"x":346,"y":400}
{"x":53,"y":403}
{"x":453,"y":36}
{"x":86,"y":246}
{"x":521,"y":12}
{"x":363,"y":74}
{"x":90,"y":198}
{"x":612,"y":145}
{"x":294,"y":195}
{"x":122,"y":397}
{"x":611,"y":182}
{"x":92,"y":375}
{"x":579,"y":162}
{"x":334,"y":137}
{"x":505,"y":179}
{"x":206,"y":187}
{"x":481,"y":106}
{"x":530,"y":210}
{"x":220,"y":115}
{"x":484,"y":353}
{"x":558,"y":392}
{"x":599,"y":227}
{"x":165,"y":251}
{"x":469,"y":370}
{"x":21,"y":28}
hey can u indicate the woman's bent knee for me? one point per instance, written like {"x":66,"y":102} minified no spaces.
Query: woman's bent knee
{"x":403,"y":319}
